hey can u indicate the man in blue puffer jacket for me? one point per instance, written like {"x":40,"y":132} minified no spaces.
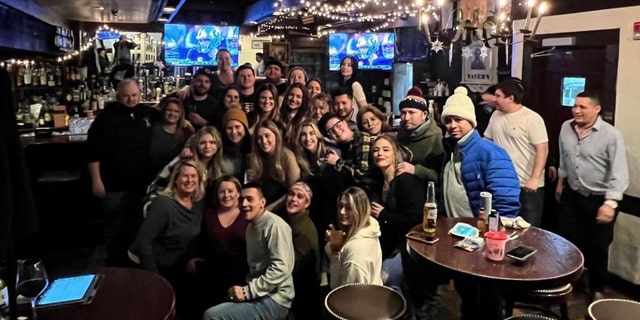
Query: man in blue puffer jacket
{"x":476,"y":165}
{"x":479,"y":164}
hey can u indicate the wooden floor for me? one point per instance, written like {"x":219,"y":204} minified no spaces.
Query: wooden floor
{"x":85,"y":259}
{"x":578,"y":303}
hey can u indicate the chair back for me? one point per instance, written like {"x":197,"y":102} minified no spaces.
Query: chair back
{"x":365,"y":301}
{"x":610,"y":309}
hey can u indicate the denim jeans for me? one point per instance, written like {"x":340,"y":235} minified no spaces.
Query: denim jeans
{"x":262,"y":309}
{"x":532,"y":205}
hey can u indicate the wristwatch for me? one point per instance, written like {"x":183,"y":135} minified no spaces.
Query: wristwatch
{"x":611,"y":203}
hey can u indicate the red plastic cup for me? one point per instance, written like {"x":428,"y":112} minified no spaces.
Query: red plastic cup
{"x":496,"y":242}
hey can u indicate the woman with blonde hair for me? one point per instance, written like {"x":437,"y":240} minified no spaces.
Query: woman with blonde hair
{"x":308,"y":145}
{"x":372,"y":121}
{"x":173,"y":220}
{"x":319,"y":105}
{"x":205,"y":148}
{"x":354,"y":250}
{"x":270,"y":162}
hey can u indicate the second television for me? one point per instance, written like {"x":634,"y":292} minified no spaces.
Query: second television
{"x":374,"y":51}
{"x":197,"y":45}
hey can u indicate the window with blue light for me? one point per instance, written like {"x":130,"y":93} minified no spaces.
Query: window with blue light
{"x":571,"y":86}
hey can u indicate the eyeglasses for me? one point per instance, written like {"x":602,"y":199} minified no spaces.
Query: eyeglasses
{"x":337,"y":125}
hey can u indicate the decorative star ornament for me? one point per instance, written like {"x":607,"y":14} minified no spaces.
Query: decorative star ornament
{"x":484,"y":52}
{"x":467,"y":52}
{"x":437,"y":46}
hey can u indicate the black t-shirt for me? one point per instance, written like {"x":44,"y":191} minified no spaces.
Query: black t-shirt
{"x":247,"y":102}
{"x":209,"y":109}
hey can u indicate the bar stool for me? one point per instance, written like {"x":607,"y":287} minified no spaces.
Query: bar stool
{"x":529,"y":317}
{"x":618,"y":309}
{"x":545,"y":297}
{"x":365,"y":302}
{"x":62,"y":210}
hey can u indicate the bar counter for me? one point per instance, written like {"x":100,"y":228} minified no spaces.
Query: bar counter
{"x":32,"y":139}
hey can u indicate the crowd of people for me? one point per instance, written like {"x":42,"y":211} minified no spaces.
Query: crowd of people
{"x":254,"y":198}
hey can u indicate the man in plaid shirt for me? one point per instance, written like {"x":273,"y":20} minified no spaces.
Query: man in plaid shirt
{"x":354,"y":147}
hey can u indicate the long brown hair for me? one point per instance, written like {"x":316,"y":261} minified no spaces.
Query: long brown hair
{"x":305,"y":158}
{"x":258,"y":159}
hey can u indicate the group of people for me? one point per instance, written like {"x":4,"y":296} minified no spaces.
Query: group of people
{"x":257,"y":196}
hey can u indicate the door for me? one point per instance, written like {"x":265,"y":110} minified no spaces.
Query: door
{"x":594,"y":58}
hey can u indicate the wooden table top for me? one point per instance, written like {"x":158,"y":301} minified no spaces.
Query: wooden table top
{"x":557,"y":261}
{"x":125,"y":294}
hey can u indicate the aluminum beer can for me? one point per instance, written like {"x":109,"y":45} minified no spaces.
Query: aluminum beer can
{"x":485,"y":201}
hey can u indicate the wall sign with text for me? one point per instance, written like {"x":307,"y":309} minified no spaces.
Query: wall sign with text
{"x":479,"y":64}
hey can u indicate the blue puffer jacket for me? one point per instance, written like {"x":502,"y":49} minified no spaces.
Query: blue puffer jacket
{"x":487,"y":167}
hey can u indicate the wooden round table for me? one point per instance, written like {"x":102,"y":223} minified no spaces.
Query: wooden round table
{"x":614,"y":309}
{"x":557,"y":261}
{"x":124,"y":294}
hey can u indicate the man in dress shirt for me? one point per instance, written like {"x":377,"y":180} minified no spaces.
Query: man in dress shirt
{"x":343,"y":106}
{"x":593,"y":176}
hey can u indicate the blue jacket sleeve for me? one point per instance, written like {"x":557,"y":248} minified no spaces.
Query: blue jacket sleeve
{"x":502,"y":181}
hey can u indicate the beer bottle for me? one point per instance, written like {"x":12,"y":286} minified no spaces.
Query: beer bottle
{"x":481,"y":224}
{"x":430,"y":211}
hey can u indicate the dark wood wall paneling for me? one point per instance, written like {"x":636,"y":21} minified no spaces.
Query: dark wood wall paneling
{"x":24,"y":35}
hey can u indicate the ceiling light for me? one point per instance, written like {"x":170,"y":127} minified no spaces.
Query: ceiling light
{"x":168,"y":9}
{"x":163,"y":19}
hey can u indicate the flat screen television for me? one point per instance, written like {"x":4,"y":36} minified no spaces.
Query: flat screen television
{"x":197,"y":45}
{"x":374,"y":51}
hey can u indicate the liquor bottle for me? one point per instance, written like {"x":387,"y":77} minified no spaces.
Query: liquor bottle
{"x":430,"y":210}
{"x":494,"y":220}
{"x":58,"y":74}
{"x":481,"y":223}
{"x":20,"y":77}
{"x":35,"y":77}
{"x":27,"y":76}
{"x":43,"y":76}
{"x":4,"y":300}
{"x":51,"y":77}
{"x":48,"y":115}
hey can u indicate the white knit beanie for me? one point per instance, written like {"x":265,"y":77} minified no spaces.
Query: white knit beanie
{"x":460,"y":105}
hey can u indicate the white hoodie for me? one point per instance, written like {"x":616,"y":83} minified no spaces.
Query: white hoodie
{"x":360,"y":260}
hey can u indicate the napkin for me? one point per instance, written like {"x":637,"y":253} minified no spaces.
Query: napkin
{"x":515,"y":223}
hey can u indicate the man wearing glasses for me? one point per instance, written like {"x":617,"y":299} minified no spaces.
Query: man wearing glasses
{"x":354,"y":147}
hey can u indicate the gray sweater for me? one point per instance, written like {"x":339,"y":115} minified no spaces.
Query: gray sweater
{"x":164,"y":236}
{"x":271,"y":259}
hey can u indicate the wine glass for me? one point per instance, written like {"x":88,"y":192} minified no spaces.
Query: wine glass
{"x":31,"y":281}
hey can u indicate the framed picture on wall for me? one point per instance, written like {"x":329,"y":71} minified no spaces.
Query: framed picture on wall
{"x":479,"y":64}
{"x":279,"y":51}
{"x":257,"y":44}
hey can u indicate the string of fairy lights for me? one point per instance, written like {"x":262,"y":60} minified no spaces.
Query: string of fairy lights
{"x":87,"y":43}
